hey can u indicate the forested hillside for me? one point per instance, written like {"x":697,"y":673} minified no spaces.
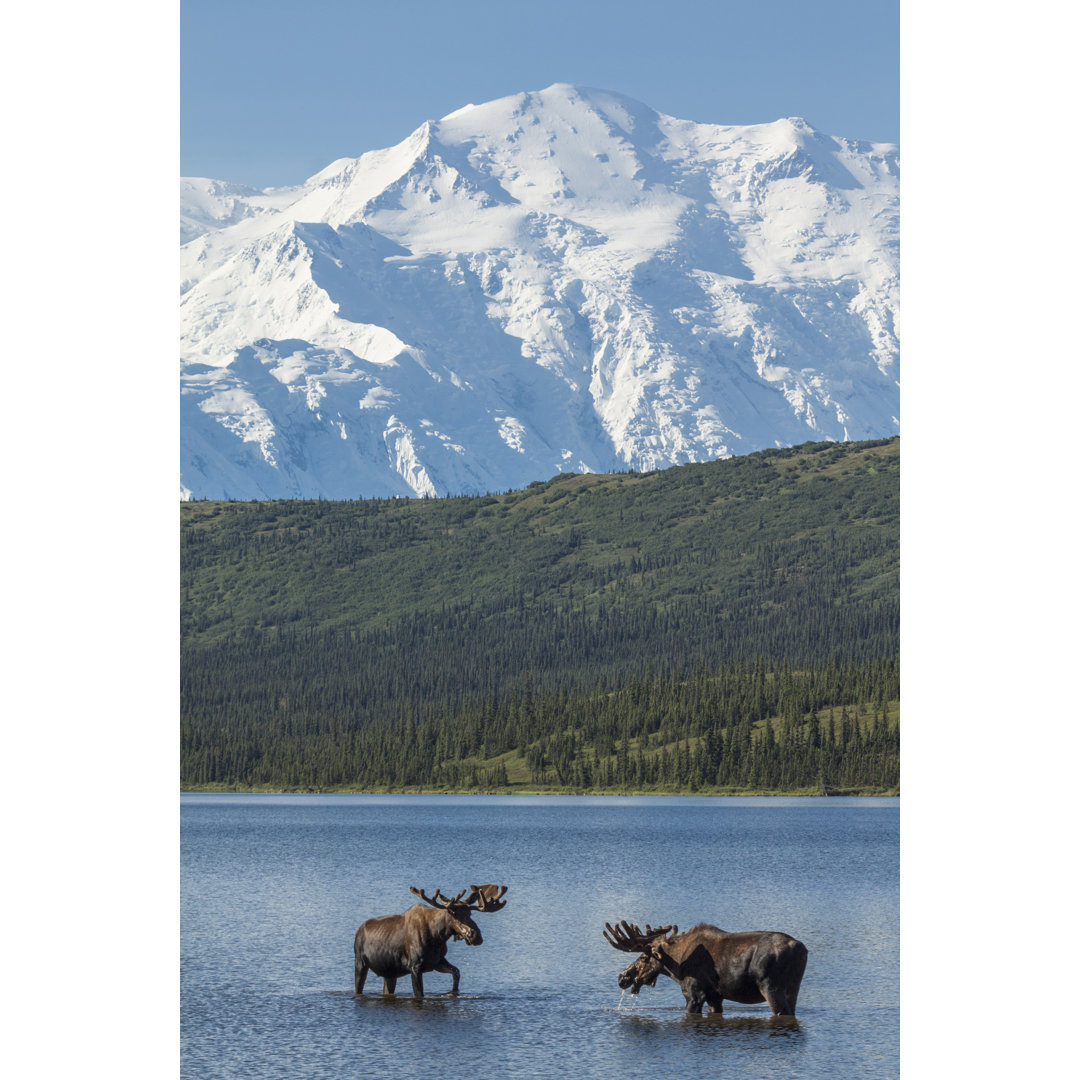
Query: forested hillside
{"x":731,"y":625}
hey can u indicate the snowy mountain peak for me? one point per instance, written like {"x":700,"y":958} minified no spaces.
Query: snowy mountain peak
{"x":557,"y":280}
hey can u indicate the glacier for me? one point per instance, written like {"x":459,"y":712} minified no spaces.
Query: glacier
{"x":557,"y":281}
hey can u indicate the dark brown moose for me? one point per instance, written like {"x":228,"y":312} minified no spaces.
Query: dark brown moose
{"x":415,"y":941}
{"x":710,"y":964}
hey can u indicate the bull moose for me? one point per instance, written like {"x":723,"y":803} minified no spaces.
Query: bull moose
{"x":710,"y":964}
{"x":415,"y":941}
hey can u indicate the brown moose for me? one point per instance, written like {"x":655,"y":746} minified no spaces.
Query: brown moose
{"x":710,"y":964}
{"x":415,"y":941}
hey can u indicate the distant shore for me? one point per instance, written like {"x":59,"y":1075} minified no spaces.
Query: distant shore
{"x":227,"y":789}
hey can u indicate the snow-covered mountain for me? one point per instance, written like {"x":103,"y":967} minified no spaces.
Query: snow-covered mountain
{"x":565,"y":280}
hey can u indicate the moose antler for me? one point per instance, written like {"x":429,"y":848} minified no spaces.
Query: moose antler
{"x":486,"y":898}
{"x":434,"y":901}
{"x":628,"y":938}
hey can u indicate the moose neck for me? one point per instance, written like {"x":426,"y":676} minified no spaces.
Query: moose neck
{"x":668,"y":964}
{"x":443,"y":925}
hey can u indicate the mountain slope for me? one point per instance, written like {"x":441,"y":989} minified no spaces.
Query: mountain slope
{"x":555,"y":281}
{"x":759,"y":552}
{"x":331,"y":642}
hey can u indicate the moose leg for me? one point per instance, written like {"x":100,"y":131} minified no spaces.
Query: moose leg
{"x":448,"y":969}
{"x":417,"y":984}
{"x":388,"y":987}
{"x":778,"y":1000}
{"x":359,"y":975}
{"x":695,"y":997}
{"x":715,"y":1002}
{"x":785,"y":986}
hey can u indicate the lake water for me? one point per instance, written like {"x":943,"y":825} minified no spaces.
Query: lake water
{"x":273,"y":888}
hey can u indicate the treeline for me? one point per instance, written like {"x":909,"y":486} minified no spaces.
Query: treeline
{"x":682,"y":630}
{"x":739,"y":728}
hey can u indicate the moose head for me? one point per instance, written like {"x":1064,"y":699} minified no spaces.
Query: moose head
{"x":645,"y":970}
{"x":458,"y":911}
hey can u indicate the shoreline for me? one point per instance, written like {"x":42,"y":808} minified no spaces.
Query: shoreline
{"x":223,"y":789}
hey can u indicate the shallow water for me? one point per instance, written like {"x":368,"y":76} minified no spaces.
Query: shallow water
{"x":273,"y":888}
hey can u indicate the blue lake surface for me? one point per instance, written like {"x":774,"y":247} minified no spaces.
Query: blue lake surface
{"x":273,"y":888}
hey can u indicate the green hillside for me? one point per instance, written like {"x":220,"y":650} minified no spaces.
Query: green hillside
{"x":677,"y":630}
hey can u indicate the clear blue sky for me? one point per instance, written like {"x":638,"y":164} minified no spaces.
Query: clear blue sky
{"x":274,"y":90}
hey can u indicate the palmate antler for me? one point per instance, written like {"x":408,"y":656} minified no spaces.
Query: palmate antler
{"x":487,"y":898}
{"x":628,"y":938}
{"x":481,"y":898}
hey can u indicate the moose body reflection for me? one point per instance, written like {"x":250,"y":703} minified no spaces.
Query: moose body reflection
{"x":710,"y":964}
{"x":415,"y":941}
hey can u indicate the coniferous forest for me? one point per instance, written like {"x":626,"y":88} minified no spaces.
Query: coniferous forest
{"x":731,"y":626}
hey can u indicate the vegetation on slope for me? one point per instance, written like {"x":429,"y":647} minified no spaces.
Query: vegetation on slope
{"x":677,"y":630}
